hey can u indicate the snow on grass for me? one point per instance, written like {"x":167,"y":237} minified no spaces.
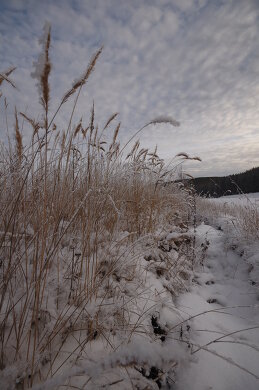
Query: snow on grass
{"x":86,"y":266}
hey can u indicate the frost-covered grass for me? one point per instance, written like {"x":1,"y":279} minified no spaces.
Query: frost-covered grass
{"x":89,"y":264}
{"x":242,"y":210}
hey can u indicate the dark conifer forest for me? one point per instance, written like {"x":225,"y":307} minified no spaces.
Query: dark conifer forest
{"x":245,"y":182}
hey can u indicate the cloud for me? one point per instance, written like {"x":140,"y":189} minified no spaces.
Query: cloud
{"x":194,"y":60}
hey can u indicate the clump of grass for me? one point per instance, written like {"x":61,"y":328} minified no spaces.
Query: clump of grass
{"x":73,"y":212}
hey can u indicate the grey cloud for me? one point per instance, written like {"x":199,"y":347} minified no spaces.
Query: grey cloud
{"x":194,"y":60}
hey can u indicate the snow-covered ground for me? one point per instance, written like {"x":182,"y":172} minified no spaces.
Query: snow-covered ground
{"x":168,"y":317}
{"x":223,"y":335}
{"x":240,"y":199}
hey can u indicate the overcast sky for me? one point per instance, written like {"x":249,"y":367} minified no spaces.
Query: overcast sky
{"x":195,"y":60}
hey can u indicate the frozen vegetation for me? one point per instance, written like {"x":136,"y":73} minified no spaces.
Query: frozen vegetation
{"x":113,"y":274}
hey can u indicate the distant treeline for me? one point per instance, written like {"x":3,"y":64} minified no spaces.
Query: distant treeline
{"x":245,"y":182}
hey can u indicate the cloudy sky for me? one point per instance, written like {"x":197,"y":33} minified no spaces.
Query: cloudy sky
{"x":195,"y":60}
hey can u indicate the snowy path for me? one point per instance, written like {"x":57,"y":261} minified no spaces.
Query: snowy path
{"x":224,"y":281}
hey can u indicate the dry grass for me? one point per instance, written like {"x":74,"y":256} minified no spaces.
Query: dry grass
{"x":73,"y":212}
{"x":244,"y":217}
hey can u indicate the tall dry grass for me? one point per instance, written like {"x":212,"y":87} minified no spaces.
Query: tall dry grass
{"x":72,"y":210}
